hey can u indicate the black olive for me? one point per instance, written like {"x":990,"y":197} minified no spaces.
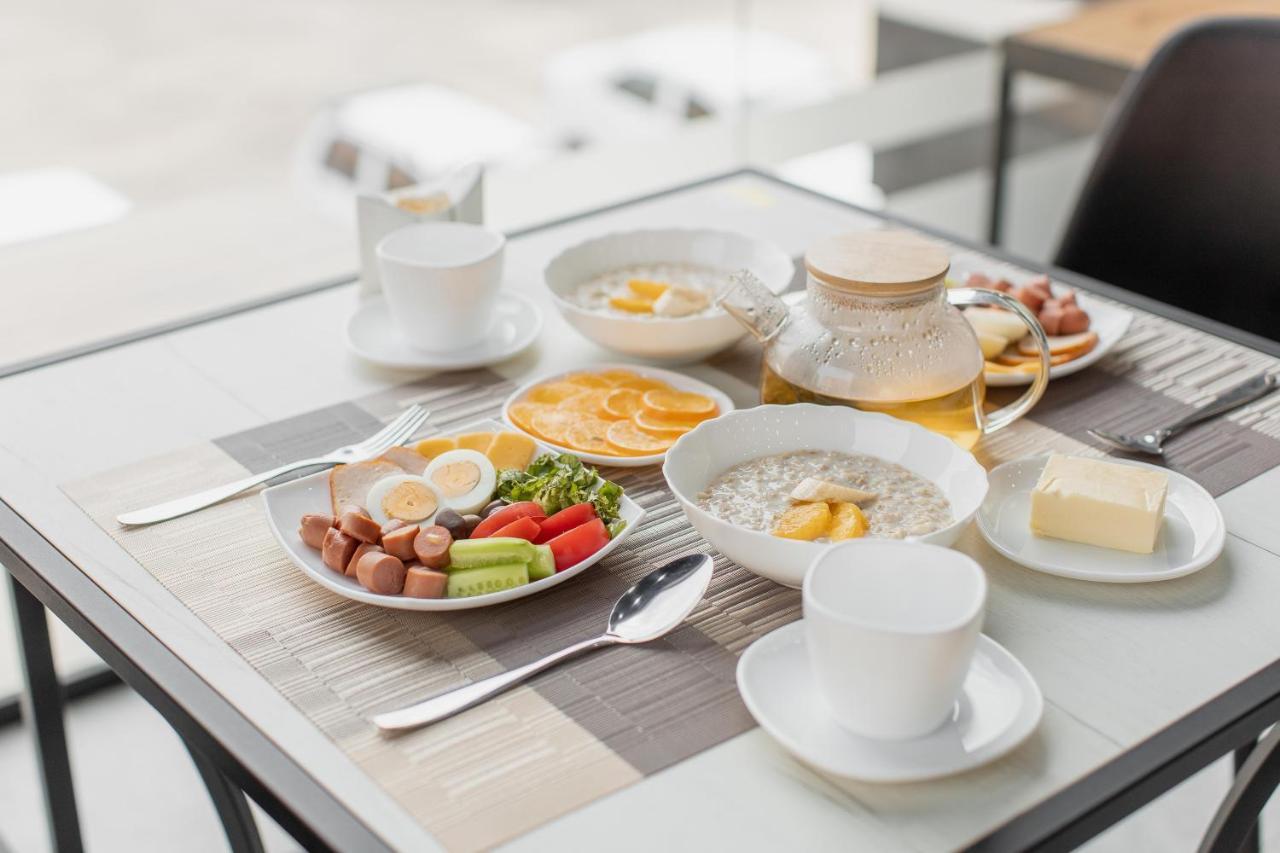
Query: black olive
{"x":471,"y":521}
{"x":452,"y":522}
{"x":492,"y":507}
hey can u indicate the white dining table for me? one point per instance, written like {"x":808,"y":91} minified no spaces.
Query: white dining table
{"x":1143,"y":684}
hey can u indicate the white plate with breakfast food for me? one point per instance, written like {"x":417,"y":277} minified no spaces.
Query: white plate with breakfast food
{"x":1081,"y":329}
{"x":623,"y":415}
{"x":452,"y":522}
{"x":770,"y":487}
{"x":650,"y":293}
{"x":372,"y":336}
{"x":1113,"y":520}
{"x":999,"y":707}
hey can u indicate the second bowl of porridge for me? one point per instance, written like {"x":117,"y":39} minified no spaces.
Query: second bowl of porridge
{"x":770,"y":487}
{"x":650,"y":293}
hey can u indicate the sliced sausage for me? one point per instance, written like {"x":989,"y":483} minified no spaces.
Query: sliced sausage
{"x":1032,"y":298}
{"x":381,"y":573}
{"x":361,"y":549}
{"x":313,"y":528}
{"x":393,"y":524}
{"x":421,"y":582}
{"x":360,"y":526}
{"x":399,"y":542}
{"x":336,"y":550}
{"x":432,"y":546}
{"x":1074,"y":321}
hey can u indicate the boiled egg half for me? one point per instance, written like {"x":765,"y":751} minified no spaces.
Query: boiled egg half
{"x":404,"y":497}
{"x":464,"y":479}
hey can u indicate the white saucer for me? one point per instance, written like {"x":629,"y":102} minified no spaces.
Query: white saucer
{"x":1191,"y":538}
{"x":371,"y":335}
{"x":999,"y":707}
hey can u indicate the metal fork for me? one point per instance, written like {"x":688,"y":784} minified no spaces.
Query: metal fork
{"x":1152,"y":441}
{"x":389,"y":436}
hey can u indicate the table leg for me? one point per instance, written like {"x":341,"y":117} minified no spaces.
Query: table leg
{"x":1252,"y":842}
{"x":1235,"y":826}
{"x":230,"y":803}
{"x":1000,"y":152}
{"x":42,"y":710}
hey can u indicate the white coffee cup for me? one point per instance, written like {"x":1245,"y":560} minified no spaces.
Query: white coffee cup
{"x":441,"y":281}
{"x":891,"y":628}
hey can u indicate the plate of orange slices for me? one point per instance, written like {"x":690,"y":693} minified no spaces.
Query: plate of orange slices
{"x":614,"y":414}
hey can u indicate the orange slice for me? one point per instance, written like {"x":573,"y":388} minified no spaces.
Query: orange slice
{"x":552,"y":392}
{"x":621,"y":403}
{"x":588,"y":401}
{"x":681,"y":405}
{"x":617,"y":376}
{"x":554,"y":424}
{"x":661,"y":428}
{"x":590,"y":434}
{"x":644,"y":383}
{"x":587,"y":380}
{"x":522,"y":414}
{"x":627,"y":438}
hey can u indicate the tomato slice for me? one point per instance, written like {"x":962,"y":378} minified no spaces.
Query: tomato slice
{"x":574,"y":546}
{"x":565,"y":520}
{"x":522,"y":528}
{"x":506,"y":515}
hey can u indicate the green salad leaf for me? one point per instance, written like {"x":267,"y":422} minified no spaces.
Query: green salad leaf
{"x":561,"y":480}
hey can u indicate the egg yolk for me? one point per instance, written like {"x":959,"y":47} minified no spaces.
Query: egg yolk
{"x":456,"y":478}
{"x":409,"y":502}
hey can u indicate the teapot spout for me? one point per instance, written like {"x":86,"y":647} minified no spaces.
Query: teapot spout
{"x":748,"y":301}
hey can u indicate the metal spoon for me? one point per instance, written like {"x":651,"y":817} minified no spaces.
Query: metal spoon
{"x":658,"y":602}
{"x":1233,"y":398}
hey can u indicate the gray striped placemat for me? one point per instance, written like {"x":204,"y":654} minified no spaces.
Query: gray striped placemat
{"x":603,"y":722}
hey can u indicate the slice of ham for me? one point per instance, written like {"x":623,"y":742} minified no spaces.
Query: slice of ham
{"x":349,"y":484}
{"x":407,"y":458}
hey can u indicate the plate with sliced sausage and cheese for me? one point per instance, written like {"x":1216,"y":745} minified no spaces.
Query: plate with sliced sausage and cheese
{"x":480,"y":516}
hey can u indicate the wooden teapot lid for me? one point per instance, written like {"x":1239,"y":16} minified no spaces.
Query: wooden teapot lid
{"x":878,"y":263}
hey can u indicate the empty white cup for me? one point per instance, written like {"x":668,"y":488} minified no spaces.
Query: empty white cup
{"x":891,"y":628}
{"x":441,"y":280}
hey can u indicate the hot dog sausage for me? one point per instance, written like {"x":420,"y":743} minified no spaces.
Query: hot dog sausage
{"x":360,"y":526}
{"x":361,"y":549}
{"x":421,"y":582}
{"x":432,"y":546}
{"x":381,"y":573}
{"x":336,"y":549}
{"x":313,"y":528}
{"x":399,"y":542}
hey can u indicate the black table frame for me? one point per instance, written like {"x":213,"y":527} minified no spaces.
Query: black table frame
{"x":226,"y":744}
{"x":1018,"y":55}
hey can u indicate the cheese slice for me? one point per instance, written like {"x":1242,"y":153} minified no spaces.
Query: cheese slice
{"x":1099,"y":503}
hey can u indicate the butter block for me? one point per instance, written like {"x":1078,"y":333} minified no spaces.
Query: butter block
{"x":1099,"y":503}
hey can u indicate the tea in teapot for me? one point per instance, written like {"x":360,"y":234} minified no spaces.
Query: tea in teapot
{"x":877,"y":329}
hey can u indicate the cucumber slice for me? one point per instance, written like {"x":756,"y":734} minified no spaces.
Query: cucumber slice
{"x":491,"y":551}
{"x":543,"y":564}
{"x":487,"y":579}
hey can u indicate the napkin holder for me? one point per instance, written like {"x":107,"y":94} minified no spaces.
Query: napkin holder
{"x":458,"y":197}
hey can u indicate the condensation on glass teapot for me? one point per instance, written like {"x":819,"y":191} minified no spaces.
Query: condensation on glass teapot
{"x":875,"y":330}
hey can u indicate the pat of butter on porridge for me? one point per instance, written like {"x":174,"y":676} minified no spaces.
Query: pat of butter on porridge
{"x":755,"y":493}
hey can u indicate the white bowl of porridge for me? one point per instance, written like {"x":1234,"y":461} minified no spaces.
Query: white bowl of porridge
{"x":734,"y":477}
{"x":650,"y":293}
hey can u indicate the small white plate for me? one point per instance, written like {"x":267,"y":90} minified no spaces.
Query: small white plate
{"x":372,"y":336}
{"x":999,"y":707}
{"x":288,"y":502}
{"x":676,"y":380}
{"x":1106,"y":319}
{"x":1191,"y":538}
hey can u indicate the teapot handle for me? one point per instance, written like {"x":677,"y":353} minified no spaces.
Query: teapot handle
{"x":1001,"y":418}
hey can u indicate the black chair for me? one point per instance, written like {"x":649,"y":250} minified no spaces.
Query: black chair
{"x":1183,"y":202}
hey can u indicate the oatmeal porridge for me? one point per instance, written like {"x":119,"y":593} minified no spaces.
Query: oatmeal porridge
{"x":653,"y":291}
{"x":756,"y":493}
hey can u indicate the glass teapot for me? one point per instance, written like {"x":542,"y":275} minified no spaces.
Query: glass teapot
{"x":876,"y":329}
